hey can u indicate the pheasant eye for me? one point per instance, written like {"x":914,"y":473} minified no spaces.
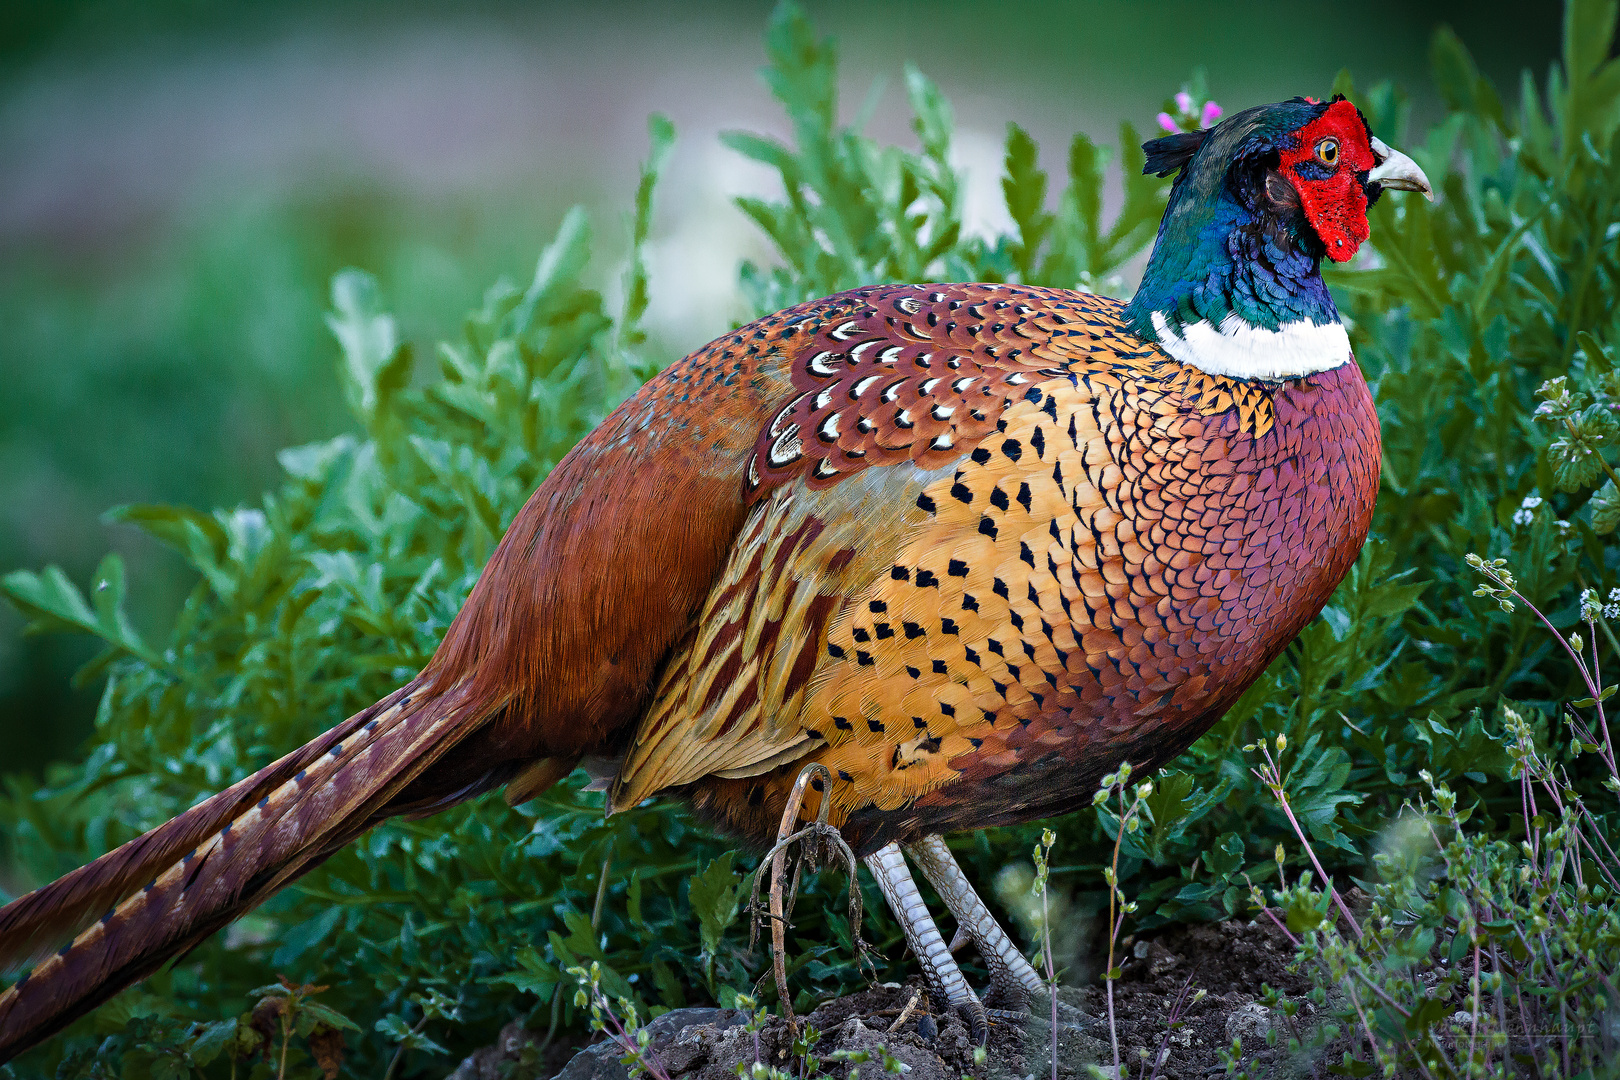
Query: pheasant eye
{"x":1327,"y":151}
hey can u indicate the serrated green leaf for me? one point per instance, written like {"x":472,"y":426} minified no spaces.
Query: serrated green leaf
{"x":374,"y":365}
{"x":932,"y":118}
{"x":1574,"y":466}
{"x":1023,"y":186}
{"x":714,"y":894}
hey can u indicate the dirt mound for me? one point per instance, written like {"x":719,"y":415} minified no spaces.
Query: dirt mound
{"x":1230,"y":961}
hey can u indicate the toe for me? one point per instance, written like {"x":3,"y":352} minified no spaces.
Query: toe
{"x":978,"y":1021}
{"x":1007,"y":994}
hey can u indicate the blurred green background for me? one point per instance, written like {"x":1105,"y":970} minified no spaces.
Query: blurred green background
{"x":180,"y":178}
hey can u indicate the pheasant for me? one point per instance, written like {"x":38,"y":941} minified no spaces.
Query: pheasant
{"x":965,"y":547}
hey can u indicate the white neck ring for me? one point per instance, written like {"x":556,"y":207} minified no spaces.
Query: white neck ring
{"x":1239,"y":349}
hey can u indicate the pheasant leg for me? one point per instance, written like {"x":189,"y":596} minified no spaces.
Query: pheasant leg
{"x":1011,"y":977}
{"x":945,"y":980}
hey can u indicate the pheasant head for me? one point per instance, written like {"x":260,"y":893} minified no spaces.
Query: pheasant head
{"x":1234,"y":285}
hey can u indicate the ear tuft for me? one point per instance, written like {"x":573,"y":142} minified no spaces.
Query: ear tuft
{"x":1172,"y":152}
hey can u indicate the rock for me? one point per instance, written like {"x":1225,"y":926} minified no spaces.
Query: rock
{"x":1250,"y":1022}
{"x":682,"y":1040}
{"x":853,"y":1030}
{"x":1159,"y":959}
{"x":917,"y":1062}
{"x":1231,"y":961}
{"x":708,"y":1044}
{"x":486,"y":1062}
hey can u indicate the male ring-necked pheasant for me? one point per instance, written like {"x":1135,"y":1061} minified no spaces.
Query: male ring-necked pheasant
{"x":968,"y":546}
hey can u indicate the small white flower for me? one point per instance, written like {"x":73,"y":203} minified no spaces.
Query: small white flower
{"x":1563,"y":526}
{"x":1531,"y":502}
{"x":1611,"y":611}
{"x":1522,"y":517}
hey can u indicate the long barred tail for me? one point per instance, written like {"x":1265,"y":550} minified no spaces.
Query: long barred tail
{"x":164,"y":892}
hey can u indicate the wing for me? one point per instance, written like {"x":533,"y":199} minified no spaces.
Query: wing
{"x":923,"y":373}
{"x":921,"y":380}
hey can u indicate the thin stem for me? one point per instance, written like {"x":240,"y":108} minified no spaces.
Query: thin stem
{"x":556,"y":1014}
{"x":1473,"y":1024}
{"x":1603,"y":722}
{"x":1366,"y":1025}
{"x":601,"y":887}
{"x":1580,"y":664}
{"x":1170,"y":1023}
{"x":1113,"y":935}
{"x":1113,"y":1033}
{"x":1382,"y":994}
{"x":399,"y":1055}
{"x":1281,"y":926}
{"x":1274,"y":782}
{"x":614,"y":1029}
{"x":286,"y":1037}
{"x":1527,"y":803}
{"x":1596,"y":857}
{"x":1051,"y":973}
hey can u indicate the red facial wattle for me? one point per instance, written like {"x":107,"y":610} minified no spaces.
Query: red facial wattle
{"x":1333,"y":198}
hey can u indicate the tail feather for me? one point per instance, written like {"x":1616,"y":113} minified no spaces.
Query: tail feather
{"x":32,"y":925}
{"x":168,"y":890}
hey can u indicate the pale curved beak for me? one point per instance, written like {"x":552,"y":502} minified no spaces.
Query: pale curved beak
{"x":1397,"y":171}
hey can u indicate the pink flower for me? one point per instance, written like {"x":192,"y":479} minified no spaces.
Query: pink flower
{"x":1184,"y":102}
{"x":1168,"y":122}
{"x":1212,"y":113}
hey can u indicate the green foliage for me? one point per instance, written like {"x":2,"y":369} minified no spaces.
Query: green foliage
{"x":336,"y":586}
{"x":172,"y":361}
{"x":714,"y":894}
{"x":53,"y":603}
{"x":855,"y":212}
{"x":288,"y":1035}
{"x":1475,"y":956}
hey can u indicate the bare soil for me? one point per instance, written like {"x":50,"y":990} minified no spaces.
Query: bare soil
{"x":1230,"y":961}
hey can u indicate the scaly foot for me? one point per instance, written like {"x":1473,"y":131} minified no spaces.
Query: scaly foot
{"x":944,"y":979}
{"x":1012,"y":980}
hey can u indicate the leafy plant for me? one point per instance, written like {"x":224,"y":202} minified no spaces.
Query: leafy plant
{"x":1476,"y":956}
{"x":336,"y":586}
